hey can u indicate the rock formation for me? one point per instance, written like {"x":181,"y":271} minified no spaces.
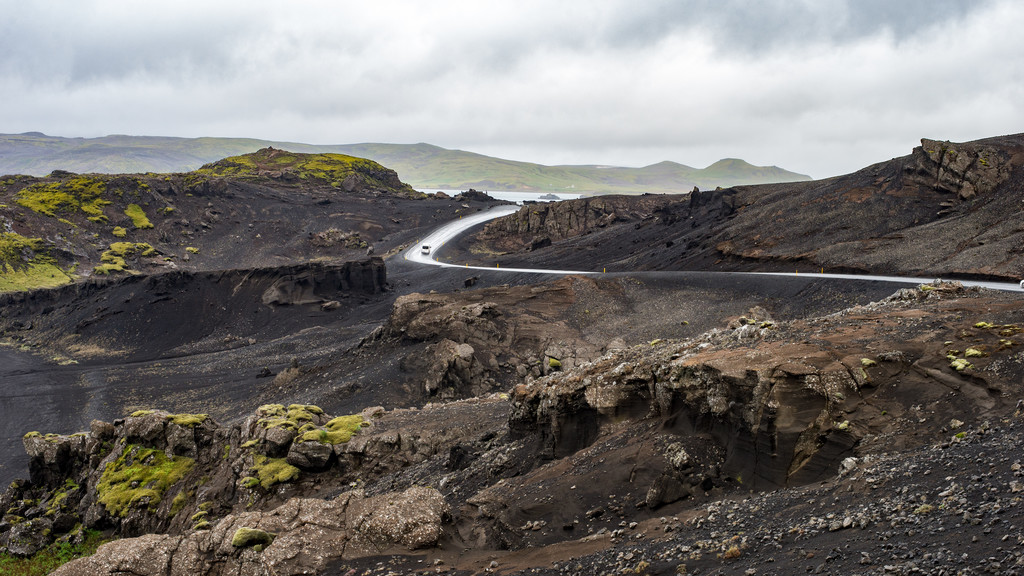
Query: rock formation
{"x":965,"y":170}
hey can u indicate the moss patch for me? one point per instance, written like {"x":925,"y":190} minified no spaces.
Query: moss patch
{"x":119,"y":232}
{"x":294,"y":417}
{"x":189,"y":420}
{"x":139,"y":475}
{"x":115,"y":258}
{"x":25,"y":264}
{"x":138,"y":216}
{"x":338,"y":431}
{"x":245,"y":537}
{"x":270,"y":471}
{"x":179,"y":502}
{"x":71,"y":195}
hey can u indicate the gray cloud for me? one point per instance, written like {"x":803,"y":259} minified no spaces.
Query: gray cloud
{"x":820,"y":87}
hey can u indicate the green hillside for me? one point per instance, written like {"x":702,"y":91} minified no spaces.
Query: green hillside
{"x":423,"y":166}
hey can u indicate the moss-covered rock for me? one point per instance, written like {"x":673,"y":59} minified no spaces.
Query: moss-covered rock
{"x":271,"y":471}
{"x":139,"y":475}
{"x":187,"y":420}
{"x":25,"y":263}
{"x":245,"y":537}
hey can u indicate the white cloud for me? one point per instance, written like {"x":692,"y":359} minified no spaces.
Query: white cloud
{"x":816,"y":87}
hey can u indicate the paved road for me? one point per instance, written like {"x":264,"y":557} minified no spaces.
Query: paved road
{"x":438,"y":238}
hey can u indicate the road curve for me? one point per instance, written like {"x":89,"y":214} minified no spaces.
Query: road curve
{"x":448,"y":232}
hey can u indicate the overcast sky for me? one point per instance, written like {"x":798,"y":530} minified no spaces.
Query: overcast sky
{"x":821,"y":87}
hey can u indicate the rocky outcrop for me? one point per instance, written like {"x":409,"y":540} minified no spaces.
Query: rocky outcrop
{"x":299,"y":537}
{"x":787,"y":407}
{"x":194,"y":482}
{"x":550,"y":222}
{"x":962,"y":169}
{"x":471,"y":341}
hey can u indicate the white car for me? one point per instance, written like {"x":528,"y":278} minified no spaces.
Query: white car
{"x":1022,"y":284}
{"x":425,"y":250}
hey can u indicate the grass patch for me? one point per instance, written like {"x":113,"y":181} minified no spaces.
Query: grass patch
{"x":139,"y":475}
{"x":138,"y":216}
{"x":52,"y":557}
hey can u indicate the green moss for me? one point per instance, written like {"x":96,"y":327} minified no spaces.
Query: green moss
{"x":960,"y":364}
{"x":138,"y":413}
{"x":984,"y":325}
{"x":337,"y":431}
{"x":139,"y":474}
{"x":250,"y":482}
{"x":25,"y":264}
{"x":199,"y":515}
{"x":554,"y":364}
{"x":292,"y":418}
{"x":245,"y":537}
{"x":227,"y":452}
{"x":192,"y":250}
{"x":70,"y":195}
{"x":188,"y":420}
{"x":867,"y":362}
{"x":138,"y":216}
{"x":250,"y":443}
{"x":33,"y":434}
{"x":60,"y":495}
{"x":180,"y":499}
{"x":974,"y":353}
{"x":119,"y":232}
{"x":115,"y":258}
{"x":271,"y":471}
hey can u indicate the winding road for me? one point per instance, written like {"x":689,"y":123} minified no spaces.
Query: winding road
{"x":438,"y":238}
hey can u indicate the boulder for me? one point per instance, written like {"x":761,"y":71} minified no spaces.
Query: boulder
{"x":310,"y":455}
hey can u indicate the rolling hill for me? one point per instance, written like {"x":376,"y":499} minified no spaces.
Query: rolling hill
{"x":423,"y":166}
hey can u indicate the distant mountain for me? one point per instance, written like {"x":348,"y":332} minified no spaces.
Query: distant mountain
{"x":423,"y":166}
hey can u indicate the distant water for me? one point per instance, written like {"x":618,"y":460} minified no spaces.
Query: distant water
{"x":517,"y":197}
